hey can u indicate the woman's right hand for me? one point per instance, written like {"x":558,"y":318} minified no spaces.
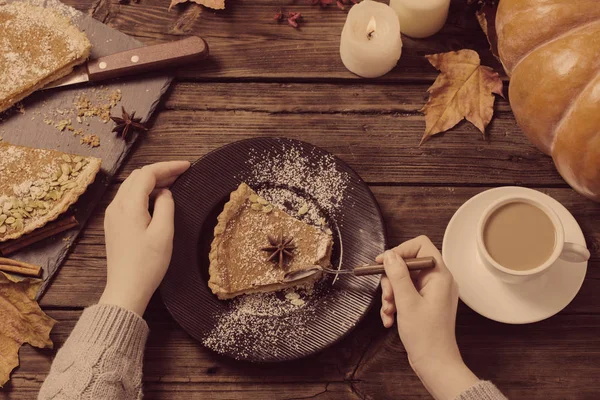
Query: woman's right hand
{"x":425,"y":305}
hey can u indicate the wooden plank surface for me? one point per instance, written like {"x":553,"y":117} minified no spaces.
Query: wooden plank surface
{"x":246,"y":43}
{"x":553,"y":359}
{"x":266,"y":79}
{"x":383,"y":148}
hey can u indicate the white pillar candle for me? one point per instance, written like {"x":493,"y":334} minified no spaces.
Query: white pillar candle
{"x":421,"y":18}
{"x":371,"y":45}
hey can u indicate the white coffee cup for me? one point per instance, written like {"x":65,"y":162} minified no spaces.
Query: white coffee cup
{"x":570,"y":252}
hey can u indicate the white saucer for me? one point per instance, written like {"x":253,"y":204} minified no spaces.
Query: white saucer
{"x":503,"y":302}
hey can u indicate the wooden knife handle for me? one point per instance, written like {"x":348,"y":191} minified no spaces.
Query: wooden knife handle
{"x":148,"y":58}
{"x":413,"y":264}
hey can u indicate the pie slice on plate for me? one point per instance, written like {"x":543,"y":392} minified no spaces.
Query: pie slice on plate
{"x":248,"y":224}
{"x":37,"y":185}
{"x":37,"y":46}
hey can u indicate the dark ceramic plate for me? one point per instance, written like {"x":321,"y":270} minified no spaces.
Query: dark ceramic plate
{"x":331,"y":312}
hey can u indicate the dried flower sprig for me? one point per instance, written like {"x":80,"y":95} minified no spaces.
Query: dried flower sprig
{"x":293,"y":18}
{"x":279,"y":15}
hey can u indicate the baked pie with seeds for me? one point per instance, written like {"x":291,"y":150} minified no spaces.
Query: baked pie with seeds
{"x":38,"y":185}
{"x":256,"y":244}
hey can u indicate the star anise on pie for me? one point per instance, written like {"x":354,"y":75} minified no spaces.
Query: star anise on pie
{"x":280,"y":247}
{"x":127,"y":123}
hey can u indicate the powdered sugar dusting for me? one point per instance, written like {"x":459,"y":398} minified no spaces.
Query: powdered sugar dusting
{"x":316,"y":177}
{"x":309,"y":187}
{"x":260,"y":324}
{"x":57,"y":6}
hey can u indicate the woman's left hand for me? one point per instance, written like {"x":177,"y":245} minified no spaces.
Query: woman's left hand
{"x":138,"y":245}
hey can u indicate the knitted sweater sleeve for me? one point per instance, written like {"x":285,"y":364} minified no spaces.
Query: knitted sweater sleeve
{"x":101,"y":359}
{"x":482,"y":390}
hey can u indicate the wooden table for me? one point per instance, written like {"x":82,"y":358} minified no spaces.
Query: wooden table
{"x":269,"y":79}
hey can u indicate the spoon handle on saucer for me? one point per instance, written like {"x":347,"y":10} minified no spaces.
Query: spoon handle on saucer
{"x":413,"y":264}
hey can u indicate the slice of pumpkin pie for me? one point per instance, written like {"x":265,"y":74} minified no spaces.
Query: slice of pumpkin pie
{"x":37,"y":186}
{"x":37,"y":46}
{"x":255,"y":244}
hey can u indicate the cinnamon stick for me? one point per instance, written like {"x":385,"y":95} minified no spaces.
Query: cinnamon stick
{"x":36,"y":273}
{"x":15,"y":263}
{"x":49,"y":230}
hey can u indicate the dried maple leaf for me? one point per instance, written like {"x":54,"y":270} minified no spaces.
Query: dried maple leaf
{"x":214,"y":4}
{"x":21,"y":321}
{"x":464,"y":89}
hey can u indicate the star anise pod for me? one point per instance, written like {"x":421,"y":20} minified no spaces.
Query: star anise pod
{"x":127,"y":123}
{"x":280,"y":247}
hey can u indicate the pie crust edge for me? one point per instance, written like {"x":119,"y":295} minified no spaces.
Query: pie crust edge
{"x":86,"y":177}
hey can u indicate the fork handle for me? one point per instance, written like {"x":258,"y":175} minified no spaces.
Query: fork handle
{"x":413,"y":264}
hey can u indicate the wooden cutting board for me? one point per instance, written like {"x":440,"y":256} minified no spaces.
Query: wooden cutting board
{"x":35,"y":126}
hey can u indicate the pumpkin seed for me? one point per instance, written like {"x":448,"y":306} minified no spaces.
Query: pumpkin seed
{"x":2,"y":229}
{"x":267,"y":209}
{"x":19,"y":225}
{"x":77,"y":167}
{"x":10,"y":220}
{"x":253,"y":198}
{"x":303,"y":210}
{"x":66,"y":157}
{"x":262,"y":201}
{"x":66,"y":170}
{"x":77,"y":159}
{"x":3,"y":218}
{"x":256,"y":206}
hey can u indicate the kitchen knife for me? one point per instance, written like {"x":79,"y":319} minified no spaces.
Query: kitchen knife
{"x":142,"y":59}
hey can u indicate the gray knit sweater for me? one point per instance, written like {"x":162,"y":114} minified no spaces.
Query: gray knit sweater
{"x":102,"y":359}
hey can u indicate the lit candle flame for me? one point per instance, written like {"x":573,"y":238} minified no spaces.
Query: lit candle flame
{"x":371,"y":27}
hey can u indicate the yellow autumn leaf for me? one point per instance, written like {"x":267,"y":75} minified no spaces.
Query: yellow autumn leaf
{"x":214,"y":4}
{"x":464,"y":89}
{"x":21,"y":321}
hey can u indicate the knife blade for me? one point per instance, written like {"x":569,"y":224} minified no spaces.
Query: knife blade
{"x":142,"y":59}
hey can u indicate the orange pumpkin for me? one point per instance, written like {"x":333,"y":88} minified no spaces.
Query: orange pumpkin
{"x":551,"y":51}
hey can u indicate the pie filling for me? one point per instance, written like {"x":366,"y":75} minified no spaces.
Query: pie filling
{"x":256,"y":244}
